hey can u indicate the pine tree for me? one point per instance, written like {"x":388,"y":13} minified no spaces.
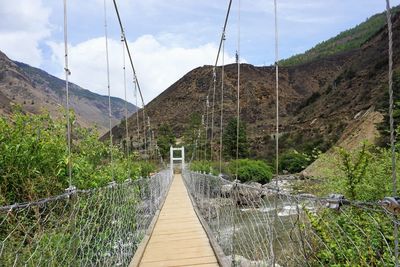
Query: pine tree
{"x":229,"y":139}
{"x":165,"y":139}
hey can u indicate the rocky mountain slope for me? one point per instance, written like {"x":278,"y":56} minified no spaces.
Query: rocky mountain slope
{"x":35,"y":91}
{"x":318,"y":98}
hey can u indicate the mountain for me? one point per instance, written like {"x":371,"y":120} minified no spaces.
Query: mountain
{"x":345,"y":41}
{"x":35,"y":91}
{"x":319,"y":99}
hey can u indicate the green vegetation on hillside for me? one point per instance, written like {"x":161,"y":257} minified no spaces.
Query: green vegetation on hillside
{"x":229,"y":140}
{"x":355,"y":235}
{"x":194,"y":136}
{"x":166,"y":139}
{"x":34,"y":159}
{"x":345,"y":41}
{"x":362,"y":174}
{"x":293,"y":161}
{"x":384,"y":126}
{"x":248,"y":170}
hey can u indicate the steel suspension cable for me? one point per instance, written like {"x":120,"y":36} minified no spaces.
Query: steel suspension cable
{"x":134,"y":73}
{"x":108,"y":87}
{"x":214,"y":81}
{"x":391,"y":123}
{"x":67,"y":73}
{"x":128,"y":50}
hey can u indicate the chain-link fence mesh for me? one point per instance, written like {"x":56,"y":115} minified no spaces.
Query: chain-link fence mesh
{"x":98,"y":227}
{"x":258,"y":226}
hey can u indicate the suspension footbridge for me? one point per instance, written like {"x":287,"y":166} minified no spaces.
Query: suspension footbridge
{"x":177,"y":239}
{"x":198,"y":219}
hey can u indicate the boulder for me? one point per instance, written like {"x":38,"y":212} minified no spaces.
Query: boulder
{"x":226,"y":190}
{"x":241,"y":261}
{"x":248,"y":196}
{"x":254,"y":184}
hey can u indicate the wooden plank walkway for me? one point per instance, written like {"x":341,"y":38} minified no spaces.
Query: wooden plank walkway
{"x":178,"y":238}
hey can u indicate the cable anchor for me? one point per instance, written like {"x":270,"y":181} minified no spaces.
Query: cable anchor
{"x":391,"y":204}
{"x":335,"y":201}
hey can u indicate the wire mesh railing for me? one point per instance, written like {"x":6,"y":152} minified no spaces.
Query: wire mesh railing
{"x":259,"y":226}
{"x":98,"y":227}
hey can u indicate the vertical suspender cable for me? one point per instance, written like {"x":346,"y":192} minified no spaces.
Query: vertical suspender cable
{"x":144,"y":133}
{"x":67,"y":73}
{"x":277,"y":92}
{"x":237,"y":131}
{"x":277,"y":130}
{"x":212,"y":113}
{"x":108,"y":87}
{"x":391,"y":122}
{"x":127,"y":141}
{"x":206,"y":137}
{"x":238,"y":93}
{"x":137,"y":113}
{"x":126,"y":99}
{"x":222,"y":103}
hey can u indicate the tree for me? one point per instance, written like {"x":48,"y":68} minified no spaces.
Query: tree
{"x":293,"y":161}
{"x":383,"y":127}
{"x":354,"y":168}
{"x":194,"y":134}
{"x":166,"y":138}
{"x":229,"y":139}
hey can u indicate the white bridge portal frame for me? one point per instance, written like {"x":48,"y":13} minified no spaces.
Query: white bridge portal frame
{"x":181,"y":158}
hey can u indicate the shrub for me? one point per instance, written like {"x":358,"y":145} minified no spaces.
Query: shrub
{"x":204,"y":166}
{"x":251,"y":170}
{"x":34,"y":159}
{"x":146,"y":168}
{"x":293,"y":161}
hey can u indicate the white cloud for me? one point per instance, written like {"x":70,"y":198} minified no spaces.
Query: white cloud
{"x":23,"y":25}
{"x":158,"y":65}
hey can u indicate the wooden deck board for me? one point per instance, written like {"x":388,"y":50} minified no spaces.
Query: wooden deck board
{"x":178,"y":238}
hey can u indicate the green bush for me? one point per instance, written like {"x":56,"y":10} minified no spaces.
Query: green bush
{"x":204,"y":166}
{"x":34,"y":158}
{"x":293,"y":161}
{"x":362,"y":174}
{"x":250,"y":170}
{"x":146,"y":168}
{"x":353,"y":238}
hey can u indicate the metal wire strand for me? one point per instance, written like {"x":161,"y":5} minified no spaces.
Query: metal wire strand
{"x":391,"y":122}
{"x":305,"y":232}
{"x":222,"y":105}
{"x":127,"y":143}
{"x":108,"y":87}
{"x":67,"y":73}
{"x":97,"y":227}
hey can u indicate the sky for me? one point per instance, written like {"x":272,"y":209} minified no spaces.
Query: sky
{"x":167,"y":38}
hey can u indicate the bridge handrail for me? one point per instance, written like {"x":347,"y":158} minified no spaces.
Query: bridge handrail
{"x":100,"y":226}
{"x":260,"y":225}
